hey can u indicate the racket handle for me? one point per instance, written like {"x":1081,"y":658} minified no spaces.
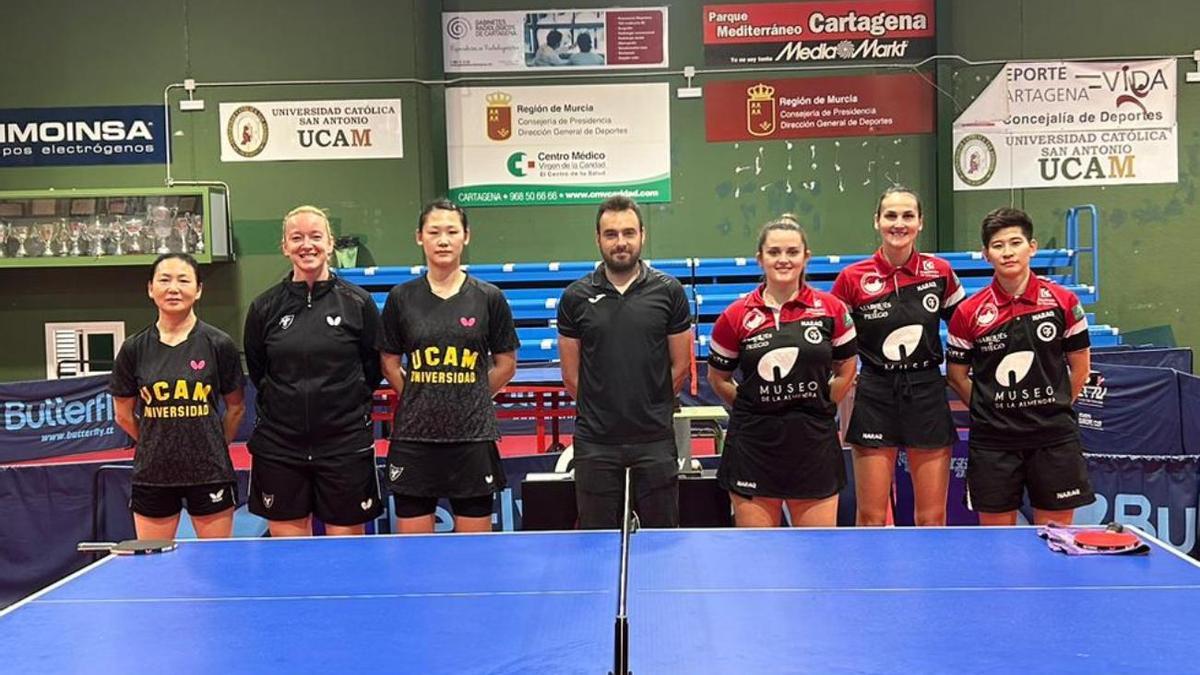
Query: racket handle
{"x":95,"y":546}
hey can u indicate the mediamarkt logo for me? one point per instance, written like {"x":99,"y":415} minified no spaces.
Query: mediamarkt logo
{"x":57,"y":412}
{"x":56,"y":132}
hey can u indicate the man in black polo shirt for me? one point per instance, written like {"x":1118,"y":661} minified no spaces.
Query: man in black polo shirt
{"x":625,"y":340}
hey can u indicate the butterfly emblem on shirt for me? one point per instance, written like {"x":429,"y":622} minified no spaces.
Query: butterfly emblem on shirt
{"x":216,"y":497}
{"x":488,"y":479}
{"x":813,"y":335}
{"x":927,"y":265}
{"x":268,"y":500}
{"x":872,"y":283}
{"x":286,"y":321}
{"x":197,"y":365}
{"x":333,"y":320}
{"x":466,"y":321}
{"x":596,"y":299}
{"x":394,"y":472}
{"x":366,"y":504}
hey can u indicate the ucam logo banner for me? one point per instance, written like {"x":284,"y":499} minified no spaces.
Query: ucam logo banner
{"x":295,"y":130}
{"x":78,"y":136}
{"x":1064,"y":123}
{"x":57,"y":417}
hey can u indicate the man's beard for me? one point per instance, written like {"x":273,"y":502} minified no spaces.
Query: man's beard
{"x":619,"y":266}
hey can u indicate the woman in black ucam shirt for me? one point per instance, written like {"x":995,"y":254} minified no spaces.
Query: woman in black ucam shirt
{"x":310,"y":350}
{"x":166,"y":384}
{"x":448,"y":346}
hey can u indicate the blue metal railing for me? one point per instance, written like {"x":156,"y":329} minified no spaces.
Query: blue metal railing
{"x":1073,"y":242}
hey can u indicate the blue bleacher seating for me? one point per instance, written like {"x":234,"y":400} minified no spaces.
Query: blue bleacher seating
{"x":534,"y":288}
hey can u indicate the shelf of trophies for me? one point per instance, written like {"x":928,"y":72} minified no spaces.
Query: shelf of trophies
{"x":72,"y":228}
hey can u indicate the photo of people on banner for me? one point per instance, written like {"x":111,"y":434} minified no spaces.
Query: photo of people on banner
{"x":564,"y":39}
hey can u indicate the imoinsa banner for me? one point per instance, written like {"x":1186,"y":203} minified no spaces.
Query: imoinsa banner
{"x":817,"y":32}
{"x":558,"y":145}
{"x":78,"y":136}
{"x":1064,"y":123}
{"x":58,"y":417}
{"x":629,"y":37}
{"x":280,"y":130}
{"x":867,"y":105}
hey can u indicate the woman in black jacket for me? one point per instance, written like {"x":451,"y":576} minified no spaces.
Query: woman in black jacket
{"x":310,"y":349}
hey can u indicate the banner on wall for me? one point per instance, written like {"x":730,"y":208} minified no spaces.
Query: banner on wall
{"x":266,"y":131}
{"x":817,"y":32}
{"x":1130,"y":410}
{"x":629,"y":37}
{"x":867,"y":105}
{"x":1158,"y":495}
{"x":577,"y":144}
{"x":51,"y":418}
{"x":1066,"y":123}
{"x":82,"y":136}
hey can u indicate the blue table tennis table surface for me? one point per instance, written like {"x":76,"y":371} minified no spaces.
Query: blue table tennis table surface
{"x":887,"y":600}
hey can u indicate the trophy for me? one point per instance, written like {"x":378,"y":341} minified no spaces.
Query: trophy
{"x":133,"y":229}
{"x":95,"y":230}
{"x":21,"y":232}
{"x":4,"y":227}
{"x":117,"y":228}
{"x":47,"y":232}
{"x":63,"y":237}
{"x":184,"y":230}
{"x":197,"y":224}
{"x":160,"y":223}
{"x":76,"y":233}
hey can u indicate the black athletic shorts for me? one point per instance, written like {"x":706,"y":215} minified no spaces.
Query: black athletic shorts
{"x":792,"y":455}
{"x":340,"y":489}
{"x":419,"y":469}
{"x":1055,"y":476}
{"x":907,"y":409}
{"x":162,"y":501}
{"x":469,"y":507}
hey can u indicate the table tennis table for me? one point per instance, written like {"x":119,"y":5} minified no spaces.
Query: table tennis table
{"x":851,"y":600}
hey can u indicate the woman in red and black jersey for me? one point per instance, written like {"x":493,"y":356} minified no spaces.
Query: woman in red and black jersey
{"x":794,"y":350}
{"x":898,"y":298}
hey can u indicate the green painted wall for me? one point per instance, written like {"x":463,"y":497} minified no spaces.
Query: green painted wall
{"x":111,"y":52}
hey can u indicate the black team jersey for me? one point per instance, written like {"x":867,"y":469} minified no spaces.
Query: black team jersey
{"x":448,"y":345}
{"x":625,"y":393}
{"x":786,"y":355}
{"x":181,"y":438}
{"x":897,"y":310}
{"x":1017,"y":347}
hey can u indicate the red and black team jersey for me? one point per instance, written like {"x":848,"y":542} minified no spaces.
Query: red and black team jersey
{"x":896,"y":310}
{"x":1016,"y":347}
{"x":786,"y":354}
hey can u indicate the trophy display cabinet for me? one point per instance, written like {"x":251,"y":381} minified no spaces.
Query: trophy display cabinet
{"x":121,"y":226}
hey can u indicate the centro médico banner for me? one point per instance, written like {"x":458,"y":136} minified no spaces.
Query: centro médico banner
{"x":571,"y":144}
{"x":80,"y":136}
{"x":49,"y":418}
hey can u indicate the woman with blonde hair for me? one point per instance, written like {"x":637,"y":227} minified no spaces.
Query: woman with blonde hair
{"x":310,"y":349}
